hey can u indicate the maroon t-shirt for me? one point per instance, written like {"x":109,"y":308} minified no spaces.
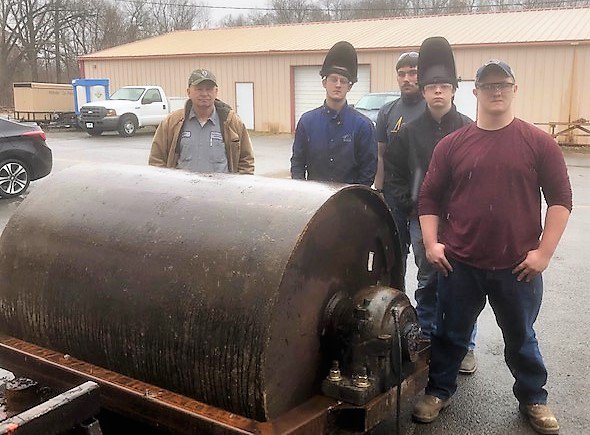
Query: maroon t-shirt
{"x":486,"y":187}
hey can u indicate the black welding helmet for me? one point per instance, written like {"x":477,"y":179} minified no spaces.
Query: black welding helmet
{"x":341,"y":59}
{"x":436,"y":63}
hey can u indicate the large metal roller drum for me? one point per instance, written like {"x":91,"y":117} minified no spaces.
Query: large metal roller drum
{"x":211,"y":286}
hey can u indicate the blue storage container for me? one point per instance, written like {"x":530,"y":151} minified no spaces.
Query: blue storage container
{"x":88,"y":90}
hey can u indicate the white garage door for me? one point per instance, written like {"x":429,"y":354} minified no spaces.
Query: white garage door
{"x":309,"y":92}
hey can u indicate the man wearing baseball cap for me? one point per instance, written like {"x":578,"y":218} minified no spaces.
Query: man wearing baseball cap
{"x":480,"y":212}
{"x":206,"y":136}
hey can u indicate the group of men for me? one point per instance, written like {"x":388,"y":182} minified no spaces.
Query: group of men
{"x":466,"y":196}
{"x":412,"y":135}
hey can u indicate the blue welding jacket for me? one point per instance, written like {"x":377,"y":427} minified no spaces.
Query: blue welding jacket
{"x":335,"y":146}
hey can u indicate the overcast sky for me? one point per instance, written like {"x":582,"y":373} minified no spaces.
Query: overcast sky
{"x":218,"y":14}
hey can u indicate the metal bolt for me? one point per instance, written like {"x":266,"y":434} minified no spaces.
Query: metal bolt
{"x":361,"y":380}
{"x":335,"y":375}
{"x":361,"y":313}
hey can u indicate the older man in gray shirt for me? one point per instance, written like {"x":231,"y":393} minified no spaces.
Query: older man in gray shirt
{"x":202,"y":148}
{"x":206,"y":136}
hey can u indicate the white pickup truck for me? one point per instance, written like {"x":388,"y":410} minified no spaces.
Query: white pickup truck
{"x":128,"y":109}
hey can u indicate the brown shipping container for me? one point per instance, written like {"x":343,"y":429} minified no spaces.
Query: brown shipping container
{"x":43,"y":97}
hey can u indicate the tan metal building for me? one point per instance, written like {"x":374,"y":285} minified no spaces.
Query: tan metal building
{"x":270,"y":73}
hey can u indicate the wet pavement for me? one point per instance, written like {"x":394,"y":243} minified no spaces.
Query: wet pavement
{"x":484,"y":403}
{"x":70,"y":148}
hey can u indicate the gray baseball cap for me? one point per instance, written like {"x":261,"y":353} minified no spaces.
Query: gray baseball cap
{"x":201,"y":75}
{"x":493,"y":64}
{"x":409,"y":58}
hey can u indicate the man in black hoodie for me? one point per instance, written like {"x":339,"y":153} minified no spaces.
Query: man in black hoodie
{"x":389,"y":121}
{"x":406,"y":160}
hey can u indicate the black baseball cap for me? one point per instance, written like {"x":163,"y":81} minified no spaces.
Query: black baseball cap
{"x":493,"y":64}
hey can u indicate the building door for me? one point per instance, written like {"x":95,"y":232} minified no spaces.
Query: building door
{"x":309,"y":92}
{"x":245,"y":103}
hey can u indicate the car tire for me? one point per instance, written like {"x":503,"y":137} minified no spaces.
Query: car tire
{"x":127,"y":126}
{"x":94,"y":132}
{"x":15,"y":177}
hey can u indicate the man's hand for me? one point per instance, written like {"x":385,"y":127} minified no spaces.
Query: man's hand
{"x":538,"y":259}
{"x":436,"y":256}
{"x":534,"y":263}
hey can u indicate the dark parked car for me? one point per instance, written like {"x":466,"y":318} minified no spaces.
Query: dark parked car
{"x":369,"y":104}
{"x":24,"y":156}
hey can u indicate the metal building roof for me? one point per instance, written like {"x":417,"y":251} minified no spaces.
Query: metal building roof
{"x":516,"y":27}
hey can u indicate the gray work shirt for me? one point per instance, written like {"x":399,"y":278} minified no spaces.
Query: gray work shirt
{"x":201,"y":145}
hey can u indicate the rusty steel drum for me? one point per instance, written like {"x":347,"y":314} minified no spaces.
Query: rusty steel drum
{"x":212,"y":286}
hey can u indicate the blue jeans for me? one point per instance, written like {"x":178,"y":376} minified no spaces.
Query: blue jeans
{"x":401,"y":222}
{"x":427,"y":281}
{"x":461,"y":297}
{"x":427,"y":285}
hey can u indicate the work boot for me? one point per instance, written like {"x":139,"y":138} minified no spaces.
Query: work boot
{"x":541,"y":418}
{"x":428,"y":407}
{"x":469,"y":364}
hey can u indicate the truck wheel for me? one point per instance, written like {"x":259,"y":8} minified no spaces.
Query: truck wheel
{"x":15,"y":177}
{"x":127,"y":126}
{"x":94,"y":132}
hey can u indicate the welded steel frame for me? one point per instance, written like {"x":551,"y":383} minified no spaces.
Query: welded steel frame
{"x":183,"y":415}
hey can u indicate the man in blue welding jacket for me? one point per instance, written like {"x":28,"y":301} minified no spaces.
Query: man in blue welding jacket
{"x":335,"y":142}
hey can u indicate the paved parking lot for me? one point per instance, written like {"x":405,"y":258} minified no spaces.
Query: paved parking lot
{"x":484,"y":403}
{"x":74,"y":147}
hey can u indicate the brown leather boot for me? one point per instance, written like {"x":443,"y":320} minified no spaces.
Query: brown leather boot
{"x":469,"y":364}
{"x":541,"y":418}
{"x":428,"y":407}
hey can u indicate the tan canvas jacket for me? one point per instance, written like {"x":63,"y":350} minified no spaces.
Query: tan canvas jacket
{"x":238,"y":148}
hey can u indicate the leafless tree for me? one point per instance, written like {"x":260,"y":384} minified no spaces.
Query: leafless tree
{"x":11,"y":53}
{"x":33,"y":28}
{"x":180,"y":15}
{"x":295,"y":11}
{"x":42,"y":39}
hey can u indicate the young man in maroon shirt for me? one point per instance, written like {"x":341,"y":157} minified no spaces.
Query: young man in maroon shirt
{"x":480,"y":212}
